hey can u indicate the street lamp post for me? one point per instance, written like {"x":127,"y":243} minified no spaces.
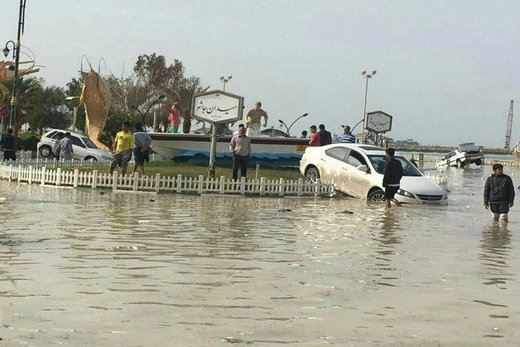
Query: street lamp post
{"x":74,"y":112}
{"x":290,"y":126}
{"x":367,"y":76}
{"x":16,"y":57}
{"x":224,"y":80}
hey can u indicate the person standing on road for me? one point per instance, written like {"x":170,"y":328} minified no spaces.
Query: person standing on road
{"x":315,"y":137}
{"x":65,"y":147}
{"x":499,"y":193}
{"x":56,"y":147}
{"x":142,"y":148}
{"x":122,"y":147}
{"x":9,"y":145}
{"x":240,"y":146}
{"x":325,"y":136}
{"x":392,"y":177}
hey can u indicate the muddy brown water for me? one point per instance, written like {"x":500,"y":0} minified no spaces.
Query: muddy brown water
{"x":102,"y":268}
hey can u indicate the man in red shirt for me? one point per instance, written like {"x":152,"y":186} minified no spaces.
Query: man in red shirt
{"x":315,"y":136}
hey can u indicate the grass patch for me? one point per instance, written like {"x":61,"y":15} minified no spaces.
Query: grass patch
{"x":172,"y":168}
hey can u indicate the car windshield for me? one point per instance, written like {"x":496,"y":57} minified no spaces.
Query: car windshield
{"x":88,"y":142}
{"x":379,"y":162}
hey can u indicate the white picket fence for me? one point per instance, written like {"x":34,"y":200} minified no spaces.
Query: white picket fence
{"x":53,"y":163}
{"x":199,"y":185}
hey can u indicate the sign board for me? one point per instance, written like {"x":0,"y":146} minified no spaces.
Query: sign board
{"x":378,"y":122}
{"x":217,"y":107}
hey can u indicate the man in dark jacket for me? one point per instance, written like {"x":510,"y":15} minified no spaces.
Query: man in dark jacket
{"x":392,"y":177}
{"x":325,"y":136}
{"x":499,"y":193}
{"x":9,"y":145}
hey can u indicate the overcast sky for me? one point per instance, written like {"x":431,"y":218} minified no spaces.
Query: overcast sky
{"x":446,"y":70}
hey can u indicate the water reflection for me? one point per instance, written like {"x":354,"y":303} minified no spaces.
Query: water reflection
{"x":388,"y":222}
{"x":494,"y":256}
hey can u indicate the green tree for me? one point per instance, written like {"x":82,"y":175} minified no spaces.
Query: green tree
{"x":156,"y":78}
{"x":52,"y":111}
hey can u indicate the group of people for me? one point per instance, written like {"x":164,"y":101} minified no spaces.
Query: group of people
{"x":127,"y":143}
{"x":323,"y":137}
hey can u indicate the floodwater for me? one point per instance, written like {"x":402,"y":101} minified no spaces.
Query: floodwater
{"x":102,"y":268}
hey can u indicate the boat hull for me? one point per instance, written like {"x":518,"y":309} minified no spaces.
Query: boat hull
{"x":195,"y":148}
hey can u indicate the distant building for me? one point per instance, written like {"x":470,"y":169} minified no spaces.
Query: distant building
{"x":407,"y":142}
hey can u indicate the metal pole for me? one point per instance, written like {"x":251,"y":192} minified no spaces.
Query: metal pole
{"x":14,"y":96}
{"x":365,"y":104}
{"x":74,"y":118}
{"x":213,"y":152}
{"x":154,"y":119}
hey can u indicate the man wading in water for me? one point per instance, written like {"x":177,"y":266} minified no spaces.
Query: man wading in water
{"x":392,"y":177}
{"x":499,"y":193}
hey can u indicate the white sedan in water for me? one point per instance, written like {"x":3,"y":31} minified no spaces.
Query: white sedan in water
{"x":357,"y":170}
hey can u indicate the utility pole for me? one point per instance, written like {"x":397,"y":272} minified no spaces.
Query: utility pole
{"x":509,"y":125}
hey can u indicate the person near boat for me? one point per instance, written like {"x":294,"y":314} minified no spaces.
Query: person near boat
{"x":122,"y":147}
{"x":240,"y":146}
{"x":253,"y":119}
{"x":499,"y":193}
{"x":325,"y":136}
{"x":142,"y":149}
{"x":315,"y":136}
{"x":347,"y":136}
{"x":174,"y":116}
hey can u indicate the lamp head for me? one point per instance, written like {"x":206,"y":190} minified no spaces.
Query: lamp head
{"x":374,"y":72}
{"x":6,"y":51}
{"x":281,"y":121}
{"x":364,"y":72}
{"x":305,"y":115}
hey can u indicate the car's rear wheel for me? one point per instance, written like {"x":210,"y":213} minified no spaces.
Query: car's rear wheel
{"x":45,"y":151}
{"x":376,"y":195}
{"x":312,"y":174}
{"x":90,"y":159}
{"x":478,"y":162}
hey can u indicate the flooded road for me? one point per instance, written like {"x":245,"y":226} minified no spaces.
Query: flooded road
{"x":102,"y":268}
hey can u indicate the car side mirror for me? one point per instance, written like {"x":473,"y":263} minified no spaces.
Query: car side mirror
{"x":363,"y":168}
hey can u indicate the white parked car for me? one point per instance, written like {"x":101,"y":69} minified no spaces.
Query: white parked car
{"x":464,"y":155}
{"x":357,"y":170}
{"x":83,"y":147}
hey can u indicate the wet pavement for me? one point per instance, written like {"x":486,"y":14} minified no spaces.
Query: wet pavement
{"x":85,"y":268}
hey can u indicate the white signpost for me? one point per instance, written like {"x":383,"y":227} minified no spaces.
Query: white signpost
{"x":217,"y":107}
{"x":378,"y":122}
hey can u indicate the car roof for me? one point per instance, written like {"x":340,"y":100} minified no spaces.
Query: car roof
{"x":64,"y":131}
{"x":367,"y":149}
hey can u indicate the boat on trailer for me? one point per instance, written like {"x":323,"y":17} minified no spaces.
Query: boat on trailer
{"x":269,"y":151}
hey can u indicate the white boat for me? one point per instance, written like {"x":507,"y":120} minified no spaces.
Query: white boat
{"x":266,"y":150}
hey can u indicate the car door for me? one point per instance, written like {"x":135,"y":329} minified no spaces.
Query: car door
{"x":331,"y":162}
{"x":354,"y":182}
{"x":78,"y":147}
